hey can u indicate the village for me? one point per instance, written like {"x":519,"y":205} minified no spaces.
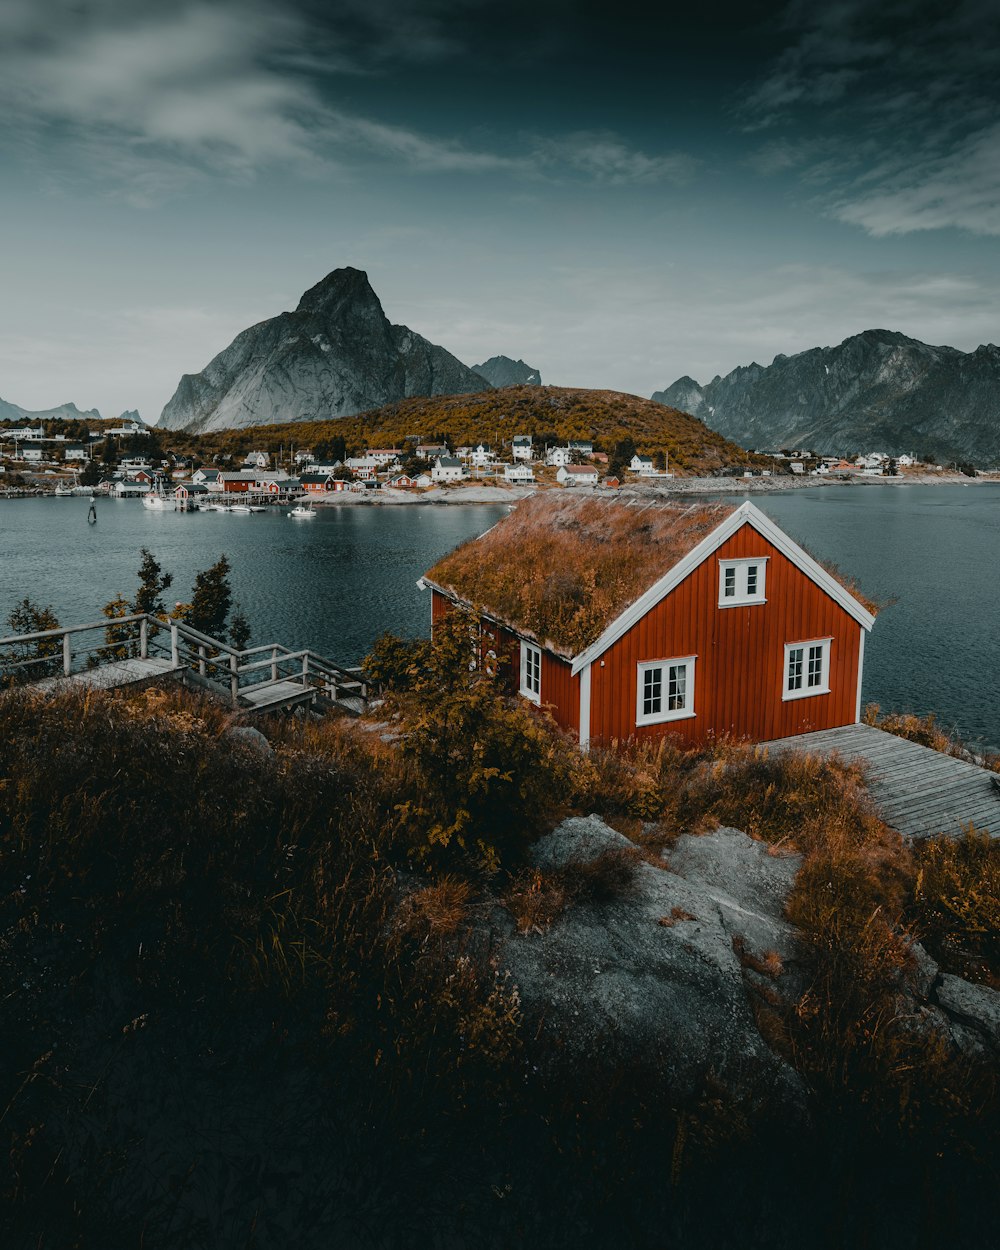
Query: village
{"x":113,"y":462}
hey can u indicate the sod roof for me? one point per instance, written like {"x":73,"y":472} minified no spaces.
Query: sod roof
{"x":560,"y":568}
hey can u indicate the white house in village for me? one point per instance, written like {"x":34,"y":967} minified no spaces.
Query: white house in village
{"x":904,"y":461}
{"x":521,"y":448}
{"x":447,"y":469}
{"x":559,"y":456}
{"x":364,"y":468}
{"x":258,"y":460}
{"x":642,"y":465}
{"x":383,"y":455}
{"x":481,"y":454}
{"x":584,"y":446}
{"x":519,"y":474}
{"x":577,"y":475}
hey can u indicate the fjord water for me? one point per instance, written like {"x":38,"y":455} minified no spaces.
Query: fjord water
{"x":335,"y":583}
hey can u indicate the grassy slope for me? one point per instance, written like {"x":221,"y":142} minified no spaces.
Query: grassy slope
{"x":497,"y":416}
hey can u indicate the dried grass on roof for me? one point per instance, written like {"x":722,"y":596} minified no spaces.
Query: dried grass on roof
{"x":563,"y":568}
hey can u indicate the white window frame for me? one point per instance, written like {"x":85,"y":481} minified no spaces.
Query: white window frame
{"x":806,"y":691}
{"x":740,"y":567}
{"x":664,"y":715}
{"x":531,"y":690}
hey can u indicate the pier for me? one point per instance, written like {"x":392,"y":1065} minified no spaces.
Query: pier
{"x":141,"y":649}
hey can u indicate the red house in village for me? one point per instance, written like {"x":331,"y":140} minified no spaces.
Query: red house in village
{"x":631,"y":620}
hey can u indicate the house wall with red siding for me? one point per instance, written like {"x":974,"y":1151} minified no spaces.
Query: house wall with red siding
{"x":739,"y":670}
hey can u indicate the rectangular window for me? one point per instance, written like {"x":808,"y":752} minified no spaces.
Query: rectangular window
{"x":742,"y":581}
{"x":807,"y":668}
{"x":665,"y":691}
{"x":531,"y":672}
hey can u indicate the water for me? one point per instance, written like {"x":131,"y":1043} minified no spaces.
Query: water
{"x":333,"y":583}
{"x":337,"y":582}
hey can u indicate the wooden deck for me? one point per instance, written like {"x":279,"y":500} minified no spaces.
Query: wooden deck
{"x":918,"y":791}
{"x":110,"y":676}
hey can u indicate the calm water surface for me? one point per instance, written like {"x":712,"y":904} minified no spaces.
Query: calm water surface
{"x":337,"y":582}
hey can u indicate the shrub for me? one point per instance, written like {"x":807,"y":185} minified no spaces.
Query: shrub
{"x":955,"y":906}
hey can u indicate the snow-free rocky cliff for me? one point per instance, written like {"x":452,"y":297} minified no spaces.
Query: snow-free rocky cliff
{"x":876,"y":391}
{"x":337,"y":354}
{"x":502,"y":371}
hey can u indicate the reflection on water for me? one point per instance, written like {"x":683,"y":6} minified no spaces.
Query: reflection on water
{"x":336,"y":583}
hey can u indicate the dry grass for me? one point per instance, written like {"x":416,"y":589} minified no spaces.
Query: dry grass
{"x":955,"y":906}
{"x":562,"y":568}
{"x":535,"y":899}
{"x":928,"y":733}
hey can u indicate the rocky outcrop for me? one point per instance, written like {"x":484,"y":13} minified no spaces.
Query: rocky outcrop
{"x":502,"y":371}
{"x":666,"y":971}
{"x":653,"y":976}
{"x":876,"y":391}
{"x":335,"y":355}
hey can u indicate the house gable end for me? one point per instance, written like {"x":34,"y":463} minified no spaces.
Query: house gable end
{"x":746,"y":514}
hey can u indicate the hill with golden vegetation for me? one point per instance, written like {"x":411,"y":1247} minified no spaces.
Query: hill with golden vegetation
{"x":555,"y":413}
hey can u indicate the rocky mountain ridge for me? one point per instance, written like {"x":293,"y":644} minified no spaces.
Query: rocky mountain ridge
{"x":336,"y":355}
{"x":876,"y":391}
{"x":65,"y":412}
{"x":502,"y":371}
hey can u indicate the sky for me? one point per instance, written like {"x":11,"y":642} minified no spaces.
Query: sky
{"x":618,"y":199}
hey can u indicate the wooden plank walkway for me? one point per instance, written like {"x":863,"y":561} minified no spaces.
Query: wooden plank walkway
{"x":109,"y":676}
{"x":918,"y":791}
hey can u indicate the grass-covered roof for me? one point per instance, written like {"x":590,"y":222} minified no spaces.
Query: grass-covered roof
{"x":562,"y":568}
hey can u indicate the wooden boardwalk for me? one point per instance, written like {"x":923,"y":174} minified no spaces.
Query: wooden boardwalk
{"x":918,"y":791}
{"x":110,"y":676}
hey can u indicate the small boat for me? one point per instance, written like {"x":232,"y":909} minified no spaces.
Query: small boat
{"x":257,"y":507}
{"x":241,"y":507}
{"x":63,"y":492}
{"x":302,"y":511}
{"x":158,"y":500}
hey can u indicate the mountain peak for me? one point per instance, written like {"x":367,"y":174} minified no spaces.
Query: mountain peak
{"x":502,"y":371}
{"x":340,"y":288}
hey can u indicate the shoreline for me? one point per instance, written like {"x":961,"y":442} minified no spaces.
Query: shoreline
{"x":454,"y":496}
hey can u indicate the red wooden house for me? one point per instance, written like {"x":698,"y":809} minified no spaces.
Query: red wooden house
{"x":633,"y":621}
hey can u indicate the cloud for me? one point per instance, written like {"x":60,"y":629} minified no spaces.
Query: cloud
{"x":896,"y":105}
{"x":605,"y":157}
{"x":960,"y":189}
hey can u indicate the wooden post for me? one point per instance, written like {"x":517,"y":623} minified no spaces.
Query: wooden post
{"x":274,"y":663}
{"x":305,"y":670}
{"x":201,"y":659}
{"x":234,"y":679}
{"x":175,"y":651}
{"x":67,"y":656}
{"x":144,"y":639}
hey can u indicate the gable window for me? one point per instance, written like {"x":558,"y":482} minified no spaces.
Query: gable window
{"x":742,"y":581}
{"x":531,"y":672}
{"x":807,"y":668}
{"x":665,"y":691}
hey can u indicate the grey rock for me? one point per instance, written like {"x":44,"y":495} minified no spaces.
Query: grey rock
{"x":334,"y":356}
{"x":976,"y":1007}
{"x":250,"y":737}
{"x":923,"y":973}
{"x":876,"y":391}
{"x":502,"y":371}
{"x":652,"y":976}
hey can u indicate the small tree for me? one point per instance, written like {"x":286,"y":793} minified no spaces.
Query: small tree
{"x":239,"y":629}
{"x":211,"y":599}
{"x":40,"y":657}
{"x":152,"y":583}
{"x":120,"y":640}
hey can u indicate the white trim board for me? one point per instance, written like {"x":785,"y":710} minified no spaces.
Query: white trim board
{"x":745,"y":514}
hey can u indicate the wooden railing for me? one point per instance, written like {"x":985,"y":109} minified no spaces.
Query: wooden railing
{"x":29,"y":657}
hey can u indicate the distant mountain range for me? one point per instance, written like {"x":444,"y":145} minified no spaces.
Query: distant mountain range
{"x":335,"y":355}
{"x":876,"y":391}
{"x":502,"y":371}
{"x":65,"y":412}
